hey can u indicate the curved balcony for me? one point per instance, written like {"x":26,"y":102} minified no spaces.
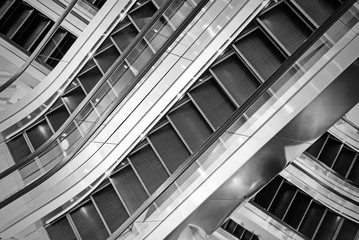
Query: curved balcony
{"x":339,"y":199}
{"x":289,"y":211}
{"x":333,"y":157}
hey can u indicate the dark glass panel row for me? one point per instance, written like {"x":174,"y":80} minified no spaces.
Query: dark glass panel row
{"x":301,"y":212}
{"x":26,"y":27}
{"x":318,"y":10}
{"x":212,"y":99}
{"x":336,"y":155}
{"x":238,"y":231}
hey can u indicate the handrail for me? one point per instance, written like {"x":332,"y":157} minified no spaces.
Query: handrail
{"x":138,"y":77}
{"x":237,"y":114}
{"x":353,"y":125}
{"x":328,"y":169}
{"x":38,"y":49}
{"x":94,"y":91}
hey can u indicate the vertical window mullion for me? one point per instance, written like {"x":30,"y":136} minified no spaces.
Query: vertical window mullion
{"x":158,"y":155}
{"x":100,"y":214}
{"x":336,"y":157}
{"x":179,"y":134}
{"x":338,"y":229}
{"x":138,"y":177}
{"x":201,"y":112}
{"x":249,"y":66}
{"x":120,"y":197}
{"x":305,"y":213}
{"x":290,"y":204}
{"x":224,"y":89}
{"x":274,"y":196}
{"x":36,"y":159}
{"x":321,"y":150}
{"x":73,"y":226}
{"x":352,"y":165}
{"x":280,"y":46}
{"x":320,"y":223}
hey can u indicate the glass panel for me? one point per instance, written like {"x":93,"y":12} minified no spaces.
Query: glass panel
{"x":146,"y":164}
{"x":282,"y":200}
{"x":58,"y":117}
{"x":330,"y":151}
{"x":74,"y":98}
{"x":88,"y":222}
{"x":110,"y":207}
{"x":169,"y":146}
{"x":90,"y":78}
{"x":124,"y":37}
{"x":260,"y":53}
{"x":265,"y":196}
{"x":233,"y":228}
{"x":176,"y":7}
{"x":317,"y":146}
{"x":344,"y":161}
{"x":30,"y":171}
{"x":130,"y":188}
{"x":328,"y":226}
{"x":191,"y":125}
{"x":319,"y":10}
{"x":312,"y":219}
{"x":51,"y":157}
{"x":18,"y":148}
{"x":159,"y":33}
{"x":61,"y":230}
{"x":354,"y":172}
{"x":297,"y":209}
{"x":56,"y":48}
{"x":286,"y":26}
{"x":215,"y":105}
{"x":237,"y":79}
{"x":39,"y":134}
{"x":107,"y":57}
{"x":139,"y":56}
{"x":142,"y":15}
{"x":348,"y":230}
{"x":102,"y":100}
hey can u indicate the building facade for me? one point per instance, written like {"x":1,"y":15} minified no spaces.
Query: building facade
{"x":188,"y":120}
